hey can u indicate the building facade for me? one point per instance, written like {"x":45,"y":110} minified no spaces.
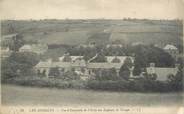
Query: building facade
{"x":172,"y":50}
{"x":36,"y":48}
{"x":161,"y":72}
{"x":80,"y":66}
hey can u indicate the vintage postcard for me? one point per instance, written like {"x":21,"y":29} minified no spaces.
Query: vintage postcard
{"x":92,"y":56}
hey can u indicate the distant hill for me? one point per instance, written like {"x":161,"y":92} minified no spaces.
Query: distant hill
{"x":74,"y":32}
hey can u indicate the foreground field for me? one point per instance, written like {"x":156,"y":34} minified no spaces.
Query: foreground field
{"x":18,"y":95}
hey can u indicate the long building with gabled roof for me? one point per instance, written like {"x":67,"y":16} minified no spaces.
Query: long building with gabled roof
{"x":78,"y":64}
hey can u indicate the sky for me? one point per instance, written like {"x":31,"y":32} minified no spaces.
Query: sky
{"x":91,"y":9}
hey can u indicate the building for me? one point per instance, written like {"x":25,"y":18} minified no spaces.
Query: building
{"x":68,"y":58}
{"x":79,"y":65}
{"x":26,"y":48}
{"x":5,"y":52}
{"x":161,"y":72}
{"x":137,"y":43}
{"x":6,"y":40}
{"x":114,"y":46}
{"x":36,"y":48}
{"x":172,"y":50}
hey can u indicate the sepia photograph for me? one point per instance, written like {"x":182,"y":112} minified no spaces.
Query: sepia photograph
{"x":83,"y":56}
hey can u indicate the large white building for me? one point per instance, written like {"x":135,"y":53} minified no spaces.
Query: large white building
{"x":36,"y":48}
{"x":80,"y":66}
{"x":161,"y":72}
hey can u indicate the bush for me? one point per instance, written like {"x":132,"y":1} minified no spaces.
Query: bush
{"x":135,"y":85}
{"x":46,"y":82}
{"x":141,"y":85}
{"x":176,"y":82}
{"x":18,"y":64}
{"x":108,"y":85}
{"x":105,"y":75}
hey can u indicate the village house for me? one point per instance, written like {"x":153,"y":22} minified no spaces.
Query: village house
{"x":5,"y":52}
{"x":36,"y":48}
{"x":161,"y":72}
{"x":172,"y":50}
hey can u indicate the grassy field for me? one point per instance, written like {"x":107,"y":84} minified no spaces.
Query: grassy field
{"x":77,"y":31}
{"x":18,"y":95}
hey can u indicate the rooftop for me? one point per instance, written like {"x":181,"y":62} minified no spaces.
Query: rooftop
{"x":105,"y":65}
{"x":26,"y":47}
{"x":170,"y":47}
{"x":72,"y":57}
{"x":121,"y":58}
{"x":46,"y":64}
{"x":34,"y":47}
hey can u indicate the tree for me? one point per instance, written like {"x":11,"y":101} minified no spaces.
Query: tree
{"x":67,"y":58}
{"x":125,"y":69}
{"x":144,"y":55}
{"x":17,"y":43}
{"x":71,"y":75}
{"x":128,"y":62}
{"x":11,"y":29}
{"x":19,"y":64}
{"x":151,"y":77}
{"x":180,"y":62}
{"x":124,"y":72}
{"x":89,"y":53}
{"x":100,"y":58}
{"x":140,"y":60}
{"x":176,"y":82}
{"x":159,"y":57}
{"x":106,"y":74}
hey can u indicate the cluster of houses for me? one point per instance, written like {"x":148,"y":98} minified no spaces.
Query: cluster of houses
{"x":5,"y":51}
{"x":87,"y":69}
{"x":35,"y":48}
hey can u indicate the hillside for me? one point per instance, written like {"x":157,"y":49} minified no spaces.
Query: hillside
{"x":78,"y":31}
